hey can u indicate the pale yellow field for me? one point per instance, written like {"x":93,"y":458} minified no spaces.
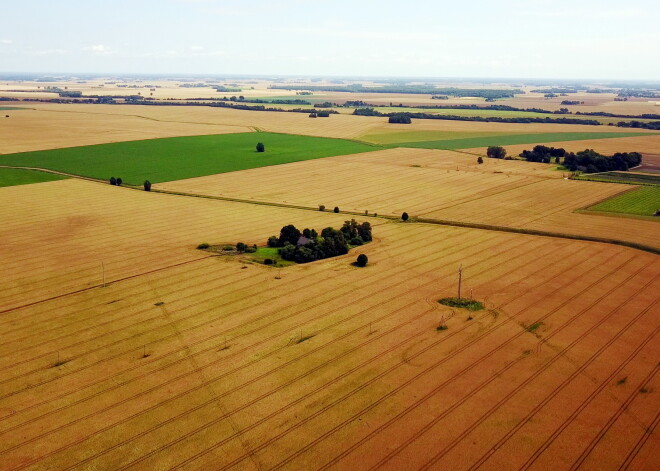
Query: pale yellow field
{"x":447,"y":186}
{"x":643,"y":144}
{"x":56,"y":236}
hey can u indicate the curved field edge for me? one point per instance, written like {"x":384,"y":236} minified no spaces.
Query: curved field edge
{"x":14,"y":176}
{"x":177,"y":158}
{"x":638,"y":202}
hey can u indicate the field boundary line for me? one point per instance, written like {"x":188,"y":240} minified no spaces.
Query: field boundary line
{"x":442,"y":222}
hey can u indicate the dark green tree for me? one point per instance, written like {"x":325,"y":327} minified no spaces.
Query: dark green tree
{"x":362,"y":260}
{"x":261,"y":147}
{"x":496,"y":152}
{"x":147,"y":185}
{"x":404,"y":217}
{"x":289,"y":235}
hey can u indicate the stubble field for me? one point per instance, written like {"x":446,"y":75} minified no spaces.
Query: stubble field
{"x":209,"y":365}
{"x":433,"y":184}
{"x":124,"y":347}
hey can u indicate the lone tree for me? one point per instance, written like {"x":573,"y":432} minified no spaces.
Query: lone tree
{"x":113,"y":181}
{"x":336,"y":209}
{"x":147,"y":185}
{"x":480,"y":160}
{"x":496,"y":152}
{"x":362,"y":260}
{"x":404,"y":217}
{"x":261,"y":147}
{"x":119,"y":182}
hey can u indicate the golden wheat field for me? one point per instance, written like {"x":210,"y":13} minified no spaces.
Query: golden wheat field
{"x":442,"y":185}
{"x":644,"y":144}
{"x":86,"y":228}
{"x":126,"y":348}
{"x":210,"y":365}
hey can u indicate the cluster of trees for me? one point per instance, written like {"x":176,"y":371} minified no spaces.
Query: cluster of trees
{"x":590,"y":161}
{"x":543,"y":154}
{"x":117,"y":181}
{"x":572,"y":102}
{"x":401,"y":118}
{"x":320,"y":114}
{"x":308,"y":245}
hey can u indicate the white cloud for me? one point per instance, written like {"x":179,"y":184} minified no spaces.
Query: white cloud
{"x":99,"y":50}
{"x":49,"y":52}
{"x":6,"y":41}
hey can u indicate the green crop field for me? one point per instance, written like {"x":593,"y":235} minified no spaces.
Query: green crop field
{"x":160,"y":160}
{"x":512,"y":139}
{"x":12,"y":177}
{"x":642,"y":202}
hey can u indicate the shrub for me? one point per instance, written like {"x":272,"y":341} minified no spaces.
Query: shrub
{"x":321,"y":207}
{"x":119,"y":181}
{"x":404,"y":217}
{"x":203,"y":246}
{"x":261,"y":147}
{"x":240,"y":247}
{"x":362,"y":260}
{"x":252,"y":249}
{"x":269,"y":261}
{"x":147,"y":185}
{"x":480,"y":160}
{"x":113,"y":181}
{"x":336,"y":209}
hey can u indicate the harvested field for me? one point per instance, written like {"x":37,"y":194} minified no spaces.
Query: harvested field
{"x":202,"y":366}
{"x":59,"y":237}
{"x":53,"y":126}
{"x":645,"y":144}
{"x":159,"y":160}
{"x":440,"y":185}
{"x":57,"y":126}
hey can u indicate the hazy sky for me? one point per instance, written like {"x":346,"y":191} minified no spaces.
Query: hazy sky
{"x":505,"y":38}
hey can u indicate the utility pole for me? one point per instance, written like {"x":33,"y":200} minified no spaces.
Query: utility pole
{"x":460,"y":278}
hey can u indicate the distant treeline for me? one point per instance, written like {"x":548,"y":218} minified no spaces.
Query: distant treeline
{"x":487,"y":119}
{"x":405,"y":89}
{"x":655,"y":125}
{"x":588,"y":160}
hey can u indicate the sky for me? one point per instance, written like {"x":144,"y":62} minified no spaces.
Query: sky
{"x":576,"y":39}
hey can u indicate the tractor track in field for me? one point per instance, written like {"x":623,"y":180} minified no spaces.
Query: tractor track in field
{"x":214,"y":379}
